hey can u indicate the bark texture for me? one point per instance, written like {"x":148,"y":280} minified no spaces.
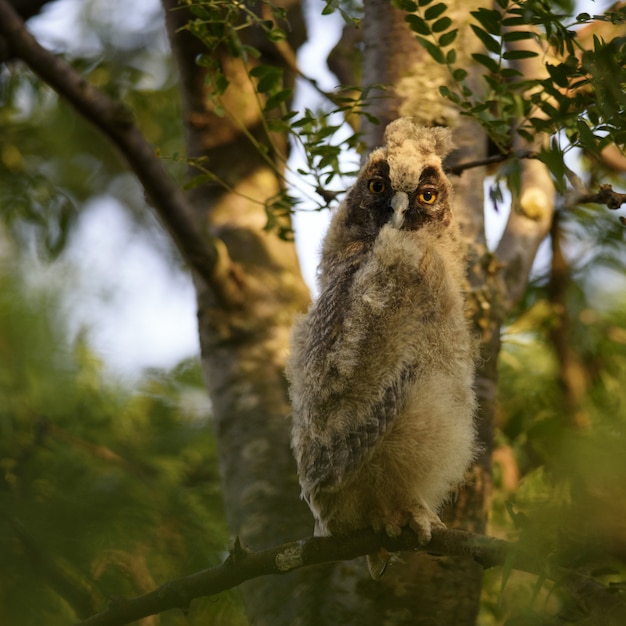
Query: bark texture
{"x":244,"y":338}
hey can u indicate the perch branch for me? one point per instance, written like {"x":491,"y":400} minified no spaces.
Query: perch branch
{"x":242,"y":565}
{"x":115,"y":121}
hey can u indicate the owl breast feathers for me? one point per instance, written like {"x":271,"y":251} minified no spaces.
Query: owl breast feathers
{"x":381,"y":367}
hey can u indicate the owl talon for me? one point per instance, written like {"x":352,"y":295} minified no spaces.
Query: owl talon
{"x":393,"y":530}
{"x":422,"y":521}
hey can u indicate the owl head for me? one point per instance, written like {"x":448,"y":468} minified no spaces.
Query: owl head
{"x":403,"y":183}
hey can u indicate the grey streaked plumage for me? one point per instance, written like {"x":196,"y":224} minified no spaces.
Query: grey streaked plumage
{"x":381,"y":366}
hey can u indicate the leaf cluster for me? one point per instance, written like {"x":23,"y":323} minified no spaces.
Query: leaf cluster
{"x":350,"y":10}
{"x":580,"y":102}
{"x":232,"y":30}
{"x":559,"y":464}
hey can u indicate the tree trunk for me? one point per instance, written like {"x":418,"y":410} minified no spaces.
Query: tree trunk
{"x":244,"y":345}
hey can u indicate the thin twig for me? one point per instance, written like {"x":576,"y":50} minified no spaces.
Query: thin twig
{"x":459,"y":168}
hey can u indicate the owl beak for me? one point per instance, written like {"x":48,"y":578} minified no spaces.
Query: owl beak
{"x":399,"y":204}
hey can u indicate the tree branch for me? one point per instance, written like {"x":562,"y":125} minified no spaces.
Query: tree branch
{"x":115,"y":121}
{"x":25,"y":9}
{"x":605,"y":195}
{"x":242,"y":565}
{"x":533,"y":208}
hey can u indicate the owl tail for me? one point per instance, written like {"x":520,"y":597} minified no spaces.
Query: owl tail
{"x":377,"y":562}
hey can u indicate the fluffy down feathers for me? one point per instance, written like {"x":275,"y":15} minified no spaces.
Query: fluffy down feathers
{"x":381,"y":366}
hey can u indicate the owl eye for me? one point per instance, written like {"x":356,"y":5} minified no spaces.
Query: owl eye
{"x":428,"y":196}
{"x":376,"y":185}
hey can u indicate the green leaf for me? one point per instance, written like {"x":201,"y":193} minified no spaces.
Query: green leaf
{"x":515,"y":21}
{"x":434,"y":51}
{"x":277,"y":99}
{"x":279,"y":13}
{"x":488,"y":62}
{"x":432,"y":13}
{"x":517,"y":35}
{"x":586,"y":138}
{"x":277,"y":34}
{"x":447,"y":38}
{"x":509,"y":72}
{"x":494,"y":81}
{"x":441,"y":24}
{"x":418,"y":25}
{"x":489,"y":19}
{"x":554,"y":161}
{"x":451,"y":57}
{"x":278,"y":126}
{"x":459,"y":74}
{"x":487,"y":40}
{"x":517,"y":55}
{"x":446,"y":93}
{"x":251,"y":51}
{"x":594,"y":118}
{"x":559,"y":74}
{"x":218,"y":83}
{"x":260,"y":71}
{"x":405,"y":5}
{"x":269,"y":76}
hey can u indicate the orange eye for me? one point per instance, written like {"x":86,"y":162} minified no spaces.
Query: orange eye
{"x":376,"y":185}
{"x":428,"y":196}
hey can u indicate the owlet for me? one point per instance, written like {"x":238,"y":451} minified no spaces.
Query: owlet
{"x":382,"y":365}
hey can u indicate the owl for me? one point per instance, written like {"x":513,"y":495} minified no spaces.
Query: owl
{"x":381,"y":367}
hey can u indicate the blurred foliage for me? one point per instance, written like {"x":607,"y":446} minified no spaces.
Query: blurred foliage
{"x":104,"y":491}
{"x":559,"y":479}
{"x":41,"y":197}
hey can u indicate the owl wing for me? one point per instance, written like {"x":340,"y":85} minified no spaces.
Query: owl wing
{"x":353,"y":363}
{"x":329,"y":460}
{"x":353,"y":392}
